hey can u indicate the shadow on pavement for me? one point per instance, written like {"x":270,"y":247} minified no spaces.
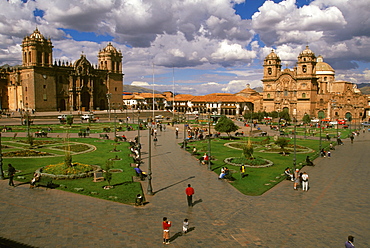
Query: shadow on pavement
{"x":197,"y":201}
{"x":173,"y":185}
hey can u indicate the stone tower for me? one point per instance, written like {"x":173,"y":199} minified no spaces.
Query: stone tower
{"x":37,"y":51}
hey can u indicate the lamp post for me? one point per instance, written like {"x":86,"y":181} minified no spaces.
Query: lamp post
{"x":138,"y":131}
{"x":109,"y":96}
{"x":320,"y":145}
{"x":1,"y":162}
{"x":150,"y":189}
{"x":209,"y":142}
{"x":295,"y":143}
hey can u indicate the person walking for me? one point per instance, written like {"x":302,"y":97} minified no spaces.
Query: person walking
{"x":296,"y":179}
{"x":304,"y":181}
{"x":352,"y":138}
{"x":185,"y":226}
{"x":189,"y":194}
{"x":166,"y":224}
{"x":11,"y":173}
{"x":242,"y":171}
{"x":349,"y":242}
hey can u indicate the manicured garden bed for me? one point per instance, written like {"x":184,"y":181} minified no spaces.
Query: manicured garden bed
{"x":124,"y":189}
{"x":259,"y":180}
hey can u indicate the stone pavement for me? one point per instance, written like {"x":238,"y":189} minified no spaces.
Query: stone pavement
{"x":337,"y":205}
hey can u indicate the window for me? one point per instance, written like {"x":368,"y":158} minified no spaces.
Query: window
{"x":304,"y":68}
{"x":44,"y":97}
{"x":268,"y":95}
{"x":285,"y":93}
{"x":325,"y":78}
{"x":44,"y":86}
{"x":303,"y":95}
{"x":25,"y":89}
{"x":269,"y":71}
{"x":115,"y":88}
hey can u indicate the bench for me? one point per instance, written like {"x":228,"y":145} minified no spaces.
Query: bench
{"x":104,"y":136}
{"x":46,"y":182}
{"x":98,"y":176}
{"x":263,"y":134}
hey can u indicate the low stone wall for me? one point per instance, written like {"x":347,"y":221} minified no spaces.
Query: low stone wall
{"x":73,"y":176}
{"x":228,"y":161}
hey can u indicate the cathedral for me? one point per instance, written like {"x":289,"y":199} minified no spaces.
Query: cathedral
{"x":42,"y":85}
{"x":310,"y":88}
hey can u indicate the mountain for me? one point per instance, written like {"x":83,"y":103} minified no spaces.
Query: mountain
{"x":132,"y":89}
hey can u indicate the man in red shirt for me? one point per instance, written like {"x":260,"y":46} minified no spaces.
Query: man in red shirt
{"x":166,"y":231}
{"x":189,"y":193}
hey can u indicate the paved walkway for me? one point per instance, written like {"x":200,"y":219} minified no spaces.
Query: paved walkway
{"x":337,"y":205}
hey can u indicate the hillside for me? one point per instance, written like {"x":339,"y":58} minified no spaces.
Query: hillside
{"x":132,"y":89}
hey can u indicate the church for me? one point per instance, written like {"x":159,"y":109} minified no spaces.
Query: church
{"x":310,"y":88}
{"x":42,"y":85}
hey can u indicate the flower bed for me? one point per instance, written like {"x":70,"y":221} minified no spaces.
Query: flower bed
{"x":61,"y":171}
{"x":25,"y":153}
{"x":255,"y":163}
{"x":73,"y":147}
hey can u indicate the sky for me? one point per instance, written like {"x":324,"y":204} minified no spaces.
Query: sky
{"x":195,"y":47}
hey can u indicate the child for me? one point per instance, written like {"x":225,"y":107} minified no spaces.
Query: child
{"x":185,"y":226}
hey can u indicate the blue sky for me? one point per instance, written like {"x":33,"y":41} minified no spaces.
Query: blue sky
{"x":203,"y":46}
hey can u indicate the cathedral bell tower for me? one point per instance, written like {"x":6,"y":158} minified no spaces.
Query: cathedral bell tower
{"x":306,"y":63}
{"x":36,"y":50}
{"x":271,"y":65}
{"x":110,"y":59}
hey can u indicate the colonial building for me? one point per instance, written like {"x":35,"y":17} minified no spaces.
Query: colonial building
{"x":42,"y":85}
{"x":216,"y":103}
{"x":310,"y":88}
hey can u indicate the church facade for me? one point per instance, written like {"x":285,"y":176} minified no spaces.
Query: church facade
{"x":42,"y":85}
{"x":310,"y":88}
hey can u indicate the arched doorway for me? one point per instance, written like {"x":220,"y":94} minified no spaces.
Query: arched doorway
{"x":102,"y":104}
{"x":321,"y":115}
{"x":85,"y":101}
{"x":62,"y":105}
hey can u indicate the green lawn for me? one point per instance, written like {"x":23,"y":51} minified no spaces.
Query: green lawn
{"x":76,"y":127}
{"x":259,"y":180}
{"x":124,"y":191}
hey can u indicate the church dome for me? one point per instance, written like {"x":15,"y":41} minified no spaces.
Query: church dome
{"x":272,"y":55}
{"x":110,"y":48}
{"x":322,"y":67}
{"x":37,"y":35}
{"x":307,"y":52}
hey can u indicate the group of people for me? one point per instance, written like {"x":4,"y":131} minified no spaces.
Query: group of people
{"x":166,"y":224}
{"x":224,"y":173}
{"x":298,"y":177}
{"x":135,"y":148}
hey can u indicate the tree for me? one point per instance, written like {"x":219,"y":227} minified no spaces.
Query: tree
{"x":306,"y":119}
{"x":285,"y":115}
{"x":248,"y":150}
{"x":225,"y":125}
{"x":282,"y":142}
{"x":69,"y":120}
{"x":107,"y":173}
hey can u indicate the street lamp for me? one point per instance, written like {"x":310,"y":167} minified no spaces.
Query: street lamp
{"x":295,"y":142}
{"x":209,"y":142}
{"x":109,"y":96}
{"x":1,"y":162}
{"x":150,"y":189}
{"x":320,"y":145}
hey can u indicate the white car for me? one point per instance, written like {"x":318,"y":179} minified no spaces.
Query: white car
{"x":87,"y":117}
{"x":62,"y":117}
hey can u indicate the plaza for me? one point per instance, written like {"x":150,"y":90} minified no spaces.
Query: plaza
{"x":335,"y":206}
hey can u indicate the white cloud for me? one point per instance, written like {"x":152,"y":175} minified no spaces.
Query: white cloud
{"x":138,"y":83}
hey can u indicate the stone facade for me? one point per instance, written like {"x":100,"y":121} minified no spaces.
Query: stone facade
{"x":310,"y":88}
{"x":43,"y":86}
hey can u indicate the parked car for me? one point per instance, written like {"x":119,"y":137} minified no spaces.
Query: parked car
{"x":87,"y":117}
{"x":60,"y":117}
